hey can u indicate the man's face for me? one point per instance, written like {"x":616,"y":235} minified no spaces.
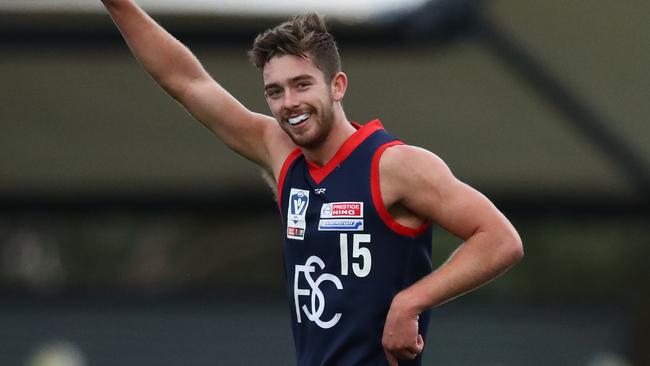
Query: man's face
{"x":300,"y":99}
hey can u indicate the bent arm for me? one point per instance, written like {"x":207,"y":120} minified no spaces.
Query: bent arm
{"x":418,"y":181}
{"x":173,"y":66}
{"x":491,"y":244}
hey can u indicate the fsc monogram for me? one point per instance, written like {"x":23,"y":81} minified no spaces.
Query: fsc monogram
{"x":360,"y":262}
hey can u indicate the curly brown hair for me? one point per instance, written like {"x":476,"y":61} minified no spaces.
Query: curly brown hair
{"x":304,"y":34}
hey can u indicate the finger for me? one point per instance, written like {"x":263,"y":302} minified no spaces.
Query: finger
{"x":415,"y":348}
{"x":392,"y":360}
{"x":410,"y":355}
{"x":419,"y":343}
{"x":403,"y":354}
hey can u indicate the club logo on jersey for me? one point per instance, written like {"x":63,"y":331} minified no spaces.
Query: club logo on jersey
{"x":296,"y":224}
{"x":316,"y":298}
{"x":341,"y":216}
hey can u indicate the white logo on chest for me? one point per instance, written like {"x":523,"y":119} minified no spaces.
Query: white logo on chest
{"x":317,"y":299}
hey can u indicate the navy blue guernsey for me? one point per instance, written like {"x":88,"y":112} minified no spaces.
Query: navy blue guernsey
{"x":345,"y":257}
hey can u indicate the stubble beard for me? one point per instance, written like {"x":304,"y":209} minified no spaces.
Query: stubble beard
{"x":323,"y":125}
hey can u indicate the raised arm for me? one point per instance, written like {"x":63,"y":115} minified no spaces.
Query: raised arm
{"x":418,"y":182}
{"x":174,"y":67}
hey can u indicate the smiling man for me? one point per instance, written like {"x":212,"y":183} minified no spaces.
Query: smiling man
{"x":357,"y":204}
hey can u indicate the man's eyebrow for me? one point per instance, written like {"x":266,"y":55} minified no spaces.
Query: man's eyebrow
{"x":304,"y":77}
{"x":271,"y":86}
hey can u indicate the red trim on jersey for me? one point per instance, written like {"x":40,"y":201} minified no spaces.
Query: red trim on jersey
{"x":319,"y":173}
{"x":283,"y":174}
{"x":379,"y":202}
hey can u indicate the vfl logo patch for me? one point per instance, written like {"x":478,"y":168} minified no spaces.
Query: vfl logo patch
{"x":340,"y":225}
{"x":296,"y":224}
{"x":335,"y":210}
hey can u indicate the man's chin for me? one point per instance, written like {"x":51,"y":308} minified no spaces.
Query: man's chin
{"x":307,"y":142}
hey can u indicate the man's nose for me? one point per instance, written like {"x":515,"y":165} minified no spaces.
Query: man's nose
{"x":290,"y":100}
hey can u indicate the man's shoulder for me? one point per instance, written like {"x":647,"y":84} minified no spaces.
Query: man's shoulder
{"x":403,"y":156}
{"x":409,"y":166}
{"x":279,"y":147}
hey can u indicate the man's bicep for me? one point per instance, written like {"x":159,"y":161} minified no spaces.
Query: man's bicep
{"x":463,"y":210}
{"x":434,"y":193}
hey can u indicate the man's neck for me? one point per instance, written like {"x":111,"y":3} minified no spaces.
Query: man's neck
{"x":341,"y":131}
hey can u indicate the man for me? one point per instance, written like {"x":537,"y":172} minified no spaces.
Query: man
{"x":356,"y":202}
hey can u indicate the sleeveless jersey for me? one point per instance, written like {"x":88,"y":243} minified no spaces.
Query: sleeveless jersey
{"x":345,"y":257}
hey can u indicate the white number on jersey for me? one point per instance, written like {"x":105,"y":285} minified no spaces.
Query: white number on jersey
{"x":361,"y":268}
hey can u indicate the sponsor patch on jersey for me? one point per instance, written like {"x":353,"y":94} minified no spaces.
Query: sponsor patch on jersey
{"x":295,"y":233}
{"x":340,"y":225}
{"x":296,"y":224}
{"x":334,"y":210}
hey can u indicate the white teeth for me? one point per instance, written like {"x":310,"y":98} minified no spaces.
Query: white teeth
{"x":296,"y":120}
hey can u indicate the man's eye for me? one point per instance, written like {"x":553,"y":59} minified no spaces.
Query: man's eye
{"x":303,"y":85}
{"x":273,"y":93}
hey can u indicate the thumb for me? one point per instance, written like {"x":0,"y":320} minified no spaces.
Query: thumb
{"x":419,"y":343}
{"x":392,"y":360}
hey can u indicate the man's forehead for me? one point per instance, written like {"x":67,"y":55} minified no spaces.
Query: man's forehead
{"x":283,"y":68}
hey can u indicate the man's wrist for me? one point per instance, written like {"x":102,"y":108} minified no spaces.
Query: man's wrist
{"x":408,"y":301}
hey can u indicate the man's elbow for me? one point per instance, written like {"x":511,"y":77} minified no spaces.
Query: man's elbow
{"x":513,"y":248}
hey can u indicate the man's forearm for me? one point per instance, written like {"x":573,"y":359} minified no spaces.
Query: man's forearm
{"x":168,"y":61}
{"x":479,"y":260}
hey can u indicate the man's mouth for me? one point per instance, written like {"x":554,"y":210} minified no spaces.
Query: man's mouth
{"x":294,"y":121}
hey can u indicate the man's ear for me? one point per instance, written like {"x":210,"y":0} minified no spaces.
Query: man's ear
{"x":339,"y":86}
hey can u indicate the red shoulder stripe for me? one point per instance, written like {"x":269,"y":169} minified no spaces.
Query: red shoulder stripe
{"x":379,"y":202}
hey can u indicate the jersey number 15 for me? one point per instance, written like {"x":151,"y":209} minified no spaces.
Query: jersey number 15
{"x":362,"y":260}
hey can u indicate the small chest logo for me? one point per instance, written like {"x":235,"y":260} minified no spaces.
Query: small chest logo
{"x":298,"y":203}
{"x":341,"y":216}
{"x":335,"y":210}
